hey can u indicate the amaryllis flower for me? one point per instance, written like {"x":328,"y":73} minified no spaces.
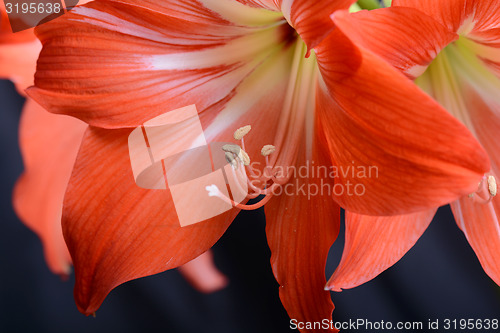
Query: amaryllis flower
{"x":452,"y":49}
{"x":283,"y":68}
{"x":49,"y":144}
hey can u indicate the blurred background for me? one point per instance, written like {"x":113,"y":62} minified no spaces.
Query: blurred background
{"x":439,"y":278}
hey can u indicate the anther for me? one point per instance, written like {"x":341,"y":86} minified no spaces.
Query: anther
{"x":241,"y":132}
{"x":492,"y":185}
{"x":487,"y":189}
{"x":240,"y":153}
{"x":268,"y":150}
{"x":235,"y":149}
{"x":267,"y":184}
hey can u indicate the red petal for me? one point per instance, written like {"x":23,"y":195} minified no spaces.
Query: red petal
{"x":373,"y":244}
{"x":18,"y":63}
{"x":311,"y":18}
{"x":479,"y":20}
{"x":269,"y":4}
{"x":375,"y":117}
{"x":49,"y":145}
{"x":411,"y":40}
{"x":18,"y":53}
{"x":300,"y":231}
{"x":481,"y":226}
{"x":117,"y":231}
{"x":480,"y":222}
{"x":202,"y":273}
{"x":120,"y":75}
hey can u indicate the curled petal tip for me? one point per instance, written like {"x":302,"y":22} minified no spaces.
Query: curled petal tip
{"x":331,"y":287}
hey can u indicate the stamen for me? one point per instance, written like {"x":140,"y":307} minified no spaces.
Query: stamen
{"x":267,"y":184}
{"x":241,"y":132}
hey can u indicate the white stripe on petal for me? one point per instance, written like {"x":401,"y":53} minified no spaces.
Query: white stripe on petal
{"x":243,"y":49}
{"x":238,"y":13}
{"x":286,"y":9}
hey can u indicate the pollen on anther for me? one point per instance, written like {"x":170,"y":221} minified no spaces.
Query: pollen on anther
{"x":240,"y":153}
{"x":492,"y":185}
{"x":268,"y":150}
{"x":241,"y":132}
{"x":230,"y":159}
{"x":244,"y":157}
{"x":235,"y":149}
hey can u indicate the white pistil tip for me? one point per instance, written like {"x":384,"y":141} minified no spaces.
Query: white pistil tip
{"x":213,"y":190}
{"x":267,"y":150}
{"x":492,"y":185}
{"x":241,"y":132}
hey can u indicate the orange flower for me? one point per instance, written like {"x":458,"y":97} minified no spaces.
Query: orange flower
{"x":49,"y":145}
{"x":453,"y":52}
{"x":117,"y":64}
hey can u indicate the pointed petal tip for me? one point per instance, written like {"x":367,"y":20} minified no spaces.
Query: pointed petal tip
{"x":215,"y":285}
{"x":64,"y":276}
{"x":332,"y":287}
{"x":339,"y":14}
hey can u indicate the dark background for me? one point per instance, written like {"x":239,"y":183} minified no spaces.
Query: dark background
{"x":439,"y":278}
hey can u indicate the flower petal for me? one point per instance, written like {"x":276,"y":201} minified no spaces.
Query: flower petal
{"x":411,"y":39}
{"x":481,"y":226}
{"x":131,"y":63}
{"x":49,"y":145}
{"x":117,"y":231}
{"x":18,"y":53}
{"x":480,"y":222}
{"x":311,"y":18}
{"x":202,"y":273}
{"x":301,"y":227}
{"x":239,"y":12}
{"x":374,"y":117}
{"x":375,"y":243}
{"x":476,"y":19}
{"x":18,"y":63}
